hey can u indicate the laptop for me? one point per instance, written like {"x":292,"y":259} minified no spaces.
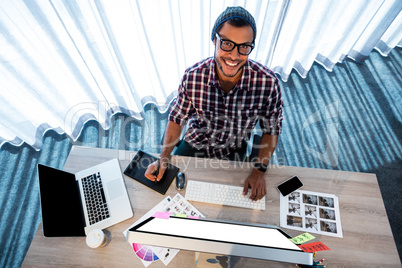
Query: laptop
{"x":75,"y":204}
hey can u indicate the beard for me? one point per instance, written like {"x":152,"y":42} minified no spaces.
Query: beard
{"x":227,"y":70}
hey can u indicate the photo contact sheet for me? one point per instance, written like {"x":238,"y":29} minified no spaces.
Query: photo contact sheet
{"x":311,"y":212}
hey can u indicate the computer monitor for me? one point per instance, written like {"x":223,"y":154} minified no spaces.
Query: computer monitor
{"x":219,"y":237}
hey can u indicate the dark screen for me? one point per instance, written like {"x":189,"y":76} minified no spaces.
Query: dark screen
{"x":290,"y":185}
{"x":62,"y":213}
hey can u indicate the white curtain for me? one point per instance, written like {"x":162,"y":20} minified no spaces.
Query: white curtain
{"x":327,"y":31}
{"x":63,"y":62}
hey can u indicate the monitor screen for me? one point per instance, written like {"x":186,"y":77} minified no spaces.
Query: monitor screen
{"x":220,"y":237}
{"x":225,"y":232}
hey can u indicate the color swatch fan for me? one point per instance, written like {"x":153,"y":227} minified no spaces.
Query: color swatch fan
{"x":145,"y":252}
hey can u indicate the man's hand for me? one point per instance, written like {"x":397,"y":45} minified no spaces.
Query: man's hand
{"x":172,"y":135}
{"x":153,"y":169}
{"x":256,"y":181}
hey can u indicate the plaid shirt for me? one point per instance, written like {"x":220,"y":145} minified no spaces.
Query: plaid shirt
{"x":218,"y":122}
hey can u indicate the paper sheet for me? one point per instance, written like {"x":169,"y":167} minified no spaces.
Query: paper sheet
{"x":314,"y":247}
{"x":311,"y":212}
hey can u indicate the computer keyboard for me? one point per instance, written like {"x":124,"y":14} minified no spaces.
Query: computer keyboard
{"x":95,"y":198}
{"x":221,"y":194}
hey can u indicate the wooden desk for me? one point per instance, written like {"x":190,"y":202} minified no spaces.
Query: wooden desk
{"x":367,"y":241}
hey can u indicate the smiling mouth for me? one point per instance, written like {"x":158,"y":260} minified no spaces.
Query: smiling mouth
{"x":231,"y":63}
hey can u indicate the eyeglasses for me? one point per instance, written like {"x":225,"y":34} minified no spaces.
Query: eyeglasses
{"x":227,"y":45}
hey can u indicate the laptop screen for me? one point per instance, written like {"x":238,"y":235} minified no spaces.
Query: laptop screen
{"x":62,"y":213}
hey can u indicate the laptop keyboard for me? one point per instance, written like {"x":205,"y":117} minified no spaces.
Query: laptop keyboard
{"x":95,"y":198}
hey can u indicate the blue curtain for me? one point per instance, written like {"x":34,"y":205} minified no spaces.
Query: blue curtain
{"x":63,"y":63}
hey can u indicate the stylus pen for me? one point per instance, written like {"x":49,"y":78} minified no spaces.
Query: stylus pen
{"x":156,"y":172}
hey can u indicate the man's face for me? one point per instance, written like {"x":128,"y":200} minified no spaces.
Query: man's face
{"x":230,"y":64}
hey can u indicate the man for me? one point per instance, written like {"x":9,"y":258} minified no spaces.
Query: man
{"x":222,"y":98}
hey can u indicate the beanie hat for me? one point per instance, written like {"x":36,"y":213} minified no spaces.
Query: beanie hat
{"x":234,"y":12}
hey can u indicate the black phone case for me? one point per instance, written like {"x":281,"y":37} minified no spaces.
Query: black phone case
{"x":290,"y":186}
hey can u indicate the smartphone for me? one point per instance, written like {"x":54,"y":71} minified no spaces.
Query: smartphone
{"x":289,"y":185}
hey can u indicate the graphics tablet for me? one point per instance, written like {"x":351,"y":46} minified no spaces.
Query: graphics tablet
{"x":136,"y":170}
